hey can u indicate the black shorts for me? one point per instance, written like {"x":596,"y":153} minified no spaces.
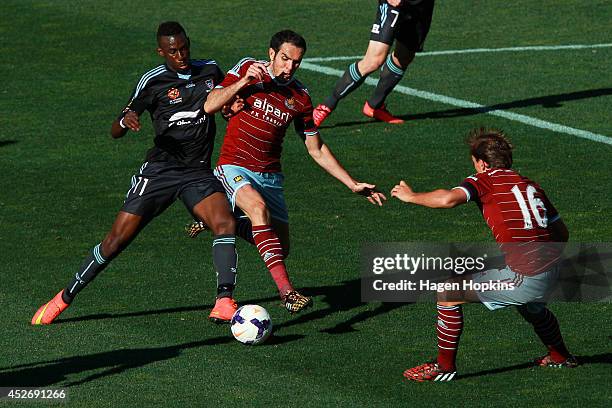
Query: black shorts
{"x":158,"y":184}
{"x":408,"y":24}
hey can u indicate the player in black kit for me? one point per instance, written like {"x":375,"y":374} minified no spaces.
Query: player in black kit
{"x":405,"y":21}
{"x":178,"y":166}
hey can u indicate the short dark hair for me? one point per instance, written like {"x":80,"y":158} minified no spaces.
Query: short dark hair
{"x":169,"y":28}
{"x":492,"y":146}
{"x":287,"y":36}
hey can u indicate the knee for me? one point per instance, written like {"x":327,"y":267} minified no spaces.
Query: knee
{"x":403,"y":59}
{"x":371,"y":63}
{"x":113,"y":244}
{"x":442,"y":299}
{"x":223,"y":225}
{"x":532,"y":312}
{"x":258,"y":213}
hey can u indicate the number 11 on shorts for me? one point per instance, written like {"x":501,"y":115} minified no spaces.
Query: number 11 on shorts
{"x":144,"y":181}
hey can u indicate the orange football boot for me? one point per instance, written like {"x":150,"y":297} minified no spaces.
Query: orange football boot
{"x":320,"y":113}
{"x":50,"y":310}
{"x":223,"y":311}
{"x":381,"y":114}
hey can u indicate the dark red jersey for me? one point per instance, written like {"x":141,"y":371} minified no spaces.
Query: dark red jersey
{"x":254,"y":136}
{"x":518,"y":213}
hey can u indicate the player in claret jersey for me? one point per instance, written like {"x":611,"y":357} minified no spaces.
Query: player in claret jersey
{"x":249,"y":165}
{"x":522,"y":220}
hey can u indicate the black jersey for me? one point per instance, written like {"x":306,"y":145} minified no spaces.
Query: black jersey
{"x":184,"y":133}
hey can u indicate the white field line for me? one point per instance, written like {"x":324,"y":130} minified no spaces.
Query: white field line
{"x":448,"y":100}
{"x":477,"y":51}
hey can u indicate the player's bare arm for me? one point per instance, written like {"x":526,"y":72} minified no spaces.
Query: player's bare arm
{"x":130,"y":121}
{"x":433,"y":199}
{"x":324,"y":157}
{"x":220,"y":97}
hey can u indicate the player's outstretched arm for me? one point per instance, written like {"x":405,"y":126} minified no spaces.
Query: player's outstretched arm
{"x":219,"y":97}
{"x":432,"y":199}
{"x":326,"y":159}
{"x":130,"y":121}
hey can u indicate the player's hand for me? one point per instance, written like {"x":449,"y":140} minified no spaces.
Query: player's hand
{"x":369,"y":191}
{"x":394,"y":3}
{"x":237,"y":105}
{"x":230,"y":110}
{"x":402,"y":191}
{"x":132,"y":121}
{"x":257,"y":71}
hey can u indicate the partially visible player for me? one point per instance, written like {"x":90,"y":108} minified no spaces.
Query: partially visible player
{"x":520,"y":215}
{"x":407,"y":23}
{"x":249,"y":165}
{"x":176,"y":167}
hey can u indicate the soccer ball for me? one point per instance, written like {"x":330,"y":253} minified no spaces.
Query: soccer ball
{"x":251,"y":324}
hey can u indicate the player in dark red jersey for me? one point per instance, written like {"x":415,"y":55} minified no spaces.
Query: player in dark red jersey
{"x":407,"y":23}
{"x":519,"y":214}
{"x":176,"y":167}
{"x":249,"y":165}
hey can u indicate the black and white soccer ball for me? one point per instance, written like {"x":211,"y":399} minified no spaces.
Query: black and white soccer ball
{"x":251,"y":324}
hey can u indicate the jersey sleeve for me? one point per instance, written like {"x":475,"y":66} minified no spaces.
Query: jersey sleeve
{"x":304,"y":123}
{"x":141,"y":100}
{"x":474,"y":188}
{"x":237,"y":72}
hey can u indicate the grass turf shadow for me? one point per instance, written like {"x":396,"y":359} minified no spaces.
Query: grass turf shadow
{"x":548,"y":101}
{"x":605,"y":358}
{"x":340,"y":298}
{"x":7,"y":142}
{"x":46,"y":373}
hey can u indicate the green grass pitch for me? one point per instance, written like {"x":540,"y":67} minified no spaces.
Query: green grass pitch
{"x":138,"y":336}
